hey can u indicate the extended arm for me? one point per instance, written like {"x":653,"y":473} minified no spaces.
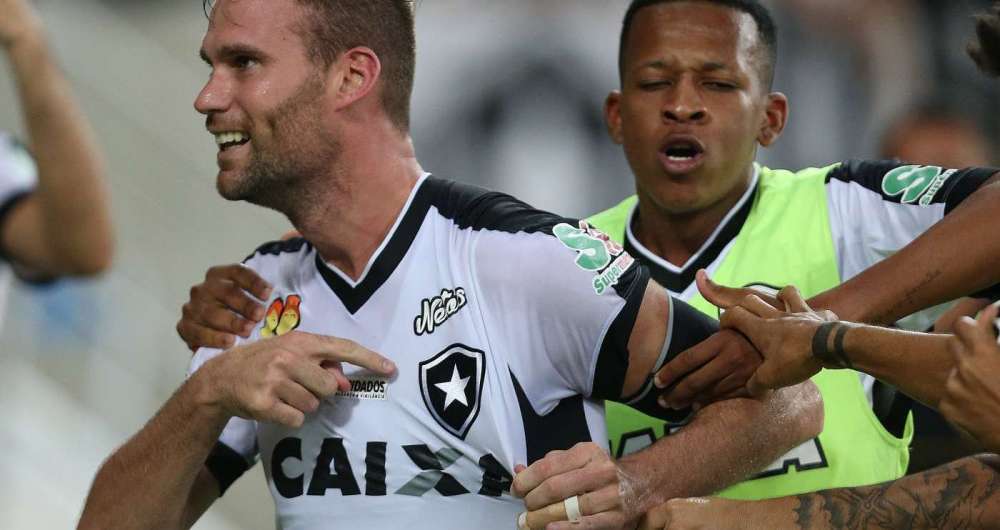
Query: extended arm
{"x":962,"y":494}
{"x":799,"y":342}
{"x":158,"y":479}
{"x":64,"y":227}
{"x":726,"y":442}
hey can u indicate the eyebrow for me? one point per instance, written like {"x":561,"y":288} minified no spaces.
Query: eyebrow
{"x":232,"y":50}
{"x":710,"y":66}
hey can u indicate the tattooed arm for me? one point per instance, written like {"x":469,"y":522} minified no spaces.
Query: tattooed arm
{"x":964,"y":494}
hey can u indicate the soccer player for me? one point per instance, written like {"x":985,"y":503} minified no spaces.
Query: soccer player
{"x":955,"y":373}
{"x":54,"y":217}
{"x":506,"y":326}
{"x":695,"y":104}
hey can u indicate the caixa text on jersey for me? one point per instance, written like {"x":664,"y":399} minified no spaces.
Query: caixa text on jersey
{"x":332,"y":470}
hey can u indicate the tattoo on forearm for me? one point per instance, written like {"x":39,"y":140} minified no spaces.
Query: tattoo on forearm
{"x":961,"y":495}
{"x":834,"y":356}
{"x":908,"y":303}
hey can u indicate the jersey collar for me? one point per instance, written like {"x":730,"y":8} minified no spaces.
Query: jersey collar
{"x":677,"y":279}
{"x":354,"y":294}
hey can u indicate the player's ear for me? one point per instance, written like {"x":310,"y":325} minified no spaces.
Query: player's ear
{"x":774,"y":120}
{"x":354,"y":76}
{"x":613,"y":116}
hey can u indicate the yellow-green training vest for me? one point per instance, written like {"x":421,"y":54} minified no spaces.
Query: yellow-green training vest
{"x":786,"y":240}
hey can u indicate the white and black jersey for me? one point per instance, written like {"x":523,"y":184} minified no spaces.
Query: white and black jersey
{"x":18,"y":178}
{"x":871,"y":218}
{"x":508,"y":325}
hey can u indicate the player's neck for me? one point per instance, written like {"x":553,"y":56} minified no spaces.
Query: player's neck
{"x":365,"y":196}
{"x":676,"y":237}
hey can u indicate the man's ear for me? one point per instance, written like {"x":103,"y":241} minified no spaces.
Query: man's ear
{"x":775,"y":118}
{"x":613,"y":116}
{"x":354,"y":76}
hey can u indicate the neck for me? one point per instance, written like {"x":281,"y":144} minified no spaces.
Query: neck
{"x":676,"y":236}
{"x":355,"y":206}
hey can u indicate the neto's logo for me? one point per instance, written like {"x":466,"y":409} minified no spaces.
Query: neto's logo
{"x":282,"y":316}
{"x":435,"y":311}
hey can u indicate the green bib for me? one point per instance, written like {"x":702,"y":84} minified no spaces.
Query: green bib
{"x":785,"y":240}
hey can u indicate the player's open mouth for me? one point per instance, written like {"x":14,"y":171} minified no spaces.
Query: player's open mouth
{"x":227,"y":140}
{"x":681,"y":155}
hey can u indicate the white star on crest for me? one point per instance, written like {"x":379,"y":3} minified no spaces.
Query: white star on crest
{"x":454,"y":390}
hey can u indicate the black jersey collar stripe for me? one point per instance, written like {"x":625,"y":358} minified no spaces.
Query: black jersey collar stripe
{"x":386,"y":258}
{"x":677,"y":279}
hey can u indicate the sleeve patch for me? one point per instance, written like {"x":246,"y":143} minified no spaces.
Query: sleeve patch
{"x":595,"y":252}
{"x":915,"y":184}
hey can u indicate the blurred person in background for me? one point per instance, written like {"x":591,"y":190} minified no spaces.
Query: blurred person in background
{"x":957,"y":374}
{"x":54,"y":213}
{"x":316,"y":126}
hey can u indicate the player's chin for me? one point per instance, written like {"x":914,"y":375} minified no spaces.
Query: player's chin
{"x":230,"y":183}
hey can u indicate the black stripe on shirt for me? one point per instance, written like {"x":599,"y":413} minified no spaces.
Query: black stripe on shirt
{"x":871,"y":176}
{"x":226,"y":465}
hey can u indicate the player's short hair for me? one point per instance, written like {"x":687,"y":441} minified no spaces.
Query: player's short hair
{"x":985,"y":50}
{"x":385,"y":26}
{"x":766,"y":31}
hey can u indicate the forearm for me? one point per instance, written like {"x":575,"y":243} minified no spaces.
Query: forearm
{"x":726,"y":443}
{"x":963,"y":494}
{"x":150,"y":481}
{"x":954,"y":258}
{"x":71,"y":191}
{"x":916,"y":363}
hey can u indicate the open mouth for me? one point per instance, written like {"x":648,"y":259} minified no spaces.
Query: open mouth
{"x":682,"y":155}
{"x":229,"y":140}
{"x":683,"y":151}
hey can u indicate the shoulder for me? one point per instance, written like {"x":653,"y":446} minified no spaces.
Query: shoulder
{"x":899,"y":182}
{"x":277,"y":260}
{"x":475,"y":208}
{"x":277,"y":249}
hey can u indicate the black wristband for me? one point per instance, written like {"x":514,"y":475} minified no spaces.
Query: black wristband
{"x":819,"y":349}
{"x":838,"y":347}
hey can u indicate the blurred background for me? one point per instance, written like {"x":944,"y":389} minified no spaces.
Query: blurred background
{"x":84,"y":364}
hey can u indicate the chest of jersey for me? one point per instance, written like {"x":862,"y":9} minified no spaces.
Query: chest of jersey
{"x":441,"y":427}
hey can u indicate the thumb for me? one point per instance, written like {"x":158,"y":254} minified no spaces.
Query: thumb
{"x":712,"y":291}
{"x":720,"y":296}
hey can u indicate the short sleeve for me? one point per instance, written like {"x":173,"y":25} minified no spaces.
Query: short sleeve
{"x":237,"y":450}
{"x":564,"y":299}
{"x":18,"y":176}
{"x":877,"y":208}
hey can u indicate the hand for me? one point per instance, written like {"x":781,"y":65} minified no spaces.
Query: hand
{"x":715,"y":369}
{"x":587,"y":471}
{"x":281,"y":379}
{"x":701,"y":513}
{"x":784,"y":339}
{"x":18,"y":21}
{"x":972,"y":392}
{"x":220,"y":308}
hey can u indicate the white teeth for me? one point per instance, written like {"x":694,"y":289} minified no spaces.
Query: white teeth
{"x":679,"y":158}
{"x":230,"y":137}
